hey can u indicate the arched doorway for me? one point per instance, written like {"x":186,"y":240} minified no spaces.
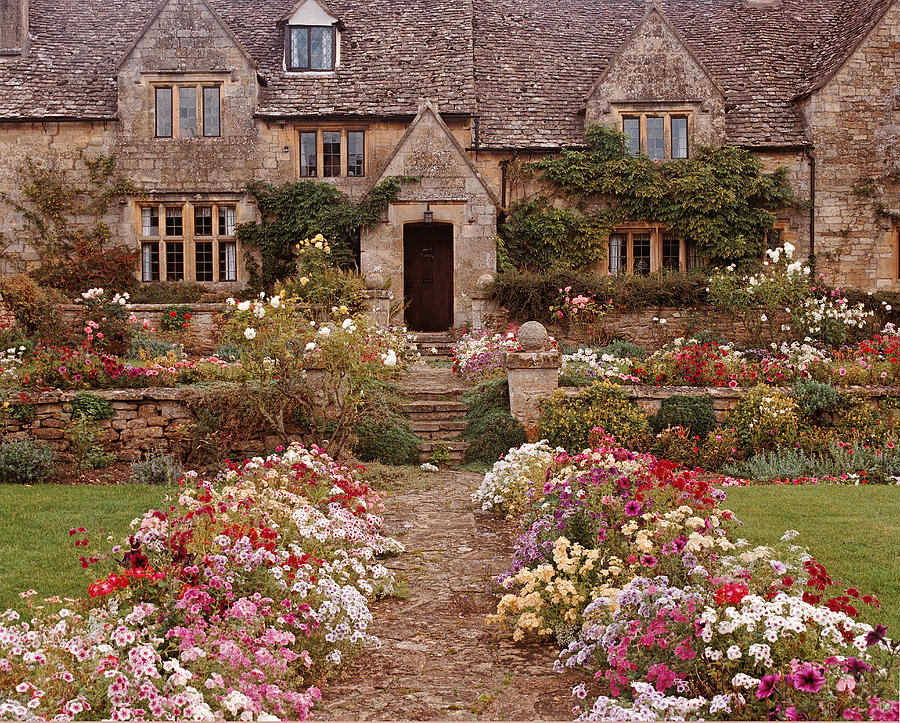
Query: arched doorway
{"x":428,"y":275}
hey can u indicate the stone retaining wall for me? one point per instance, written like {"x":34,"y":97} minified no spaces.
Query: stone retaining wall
{"x":7,"y":318}
{"x":145,"y":420}
{"x":649,"y":398}
{"x":199,"y":338}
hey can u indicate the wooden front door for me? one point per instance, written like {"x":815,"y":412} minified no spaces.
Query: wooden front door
{"x":428,"y":275}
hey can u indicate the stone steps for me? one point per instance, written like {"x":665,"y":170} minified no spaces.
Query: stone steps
{"x":435,"y":411}
{"x":434,"y":346}
{"x":456,"y":451}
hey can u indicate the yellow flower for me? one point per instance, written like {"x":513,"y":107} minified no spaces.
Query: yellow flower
{"x":303,"y":281}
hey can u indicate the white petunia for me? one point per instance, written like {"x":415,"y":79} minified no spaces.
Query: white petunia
{"x":250,"y":333}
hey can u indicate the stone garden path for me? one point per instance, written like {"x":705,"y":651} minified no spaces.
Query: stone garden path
{"x":438,"y":661}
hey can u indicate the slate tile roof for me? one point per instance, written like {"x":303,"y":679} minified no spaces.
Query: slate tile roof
{"x":524,"y":66}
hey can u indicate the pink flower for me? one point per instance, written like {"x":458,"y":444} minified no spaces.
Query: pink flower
{"x":808,"y":678}
{"x":842,"y":372}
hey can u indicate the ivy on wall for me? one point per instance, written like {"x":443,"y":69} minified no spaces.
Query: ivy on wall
{"x":298,"y":210}
{"x":64,"y":224}
{"x":719,"y":199}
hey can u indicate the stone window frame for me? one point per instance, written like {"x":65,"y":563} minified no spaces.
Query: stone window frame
{"x":200,"y":84}
{"x":320,"y":131}
{"x":335,"y":49}
{"x":643,"y":111}
{"x":687,"y":257}
{"x":189,"y":239}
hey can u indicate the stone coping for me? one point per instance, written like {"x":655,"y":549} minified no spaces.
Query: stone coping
{"x":663,"y":392}
{"x":154,"y":307}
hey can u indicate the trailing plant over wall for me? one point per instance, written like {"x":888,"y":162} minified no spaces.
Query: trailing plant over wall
{"x":302,"y":209}
{"x":64,"y":223}
{"x":719,"y":199}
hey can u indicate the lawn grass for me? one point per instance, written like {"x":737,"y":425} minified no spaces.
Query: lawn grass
{"x":853,"y":531}
{"x":36,"y":551}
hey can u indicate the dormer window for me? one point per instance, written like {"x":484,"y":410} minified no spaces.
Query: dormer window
{"x":311,"y":47}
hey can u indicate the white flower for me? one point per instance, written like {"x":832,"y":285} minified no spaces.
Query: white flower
{"x":428,"y":467}
{"x":390,"y":358}
{"x":789,"y":249}
{"x":325,"y":331}
{"x":230,"y":301}
{"x":259,"y":311}
{"x":347,"y":323}
{"x":763,"y":318}
{"x":310,"y":346}
{"x":733,"y":653}
{"x":275,"y":301}
{"x":243,"y":306}
{"x":250,"y":333}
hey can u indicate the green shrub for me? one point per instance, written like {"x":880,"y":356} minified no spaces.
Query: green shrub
{"x":575,"y":378}
{"x":492,"y":431}
{"x":677,"y":444}
{"x":87,"y":449}
{"x":440,"y":455}
{"x":816,"y":398}
{"x":694,"y":413}
{"x":22,"y":413}
{"x":91,"y":407}
{"x":145,"y":347}
{"x":156,"y":469}
{"x":528,"y":295}
{"x":764,"y":419}
{"x":879,"y":465}
{"x":492,"y":435}
{"x":566,"y":421}
{"x":33,"y":306}
{"x":25,"y":461}
{"x":388,"y":440}
{"x":623,"y":349}
{"x":228,"y":352}
{"x":719,"y":448}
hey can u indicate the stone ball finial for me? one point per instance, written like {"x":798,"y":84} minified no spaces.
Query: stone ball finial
{"x":483,"y":284}
{"x":532,"y":336}
{"x":374,"y":281}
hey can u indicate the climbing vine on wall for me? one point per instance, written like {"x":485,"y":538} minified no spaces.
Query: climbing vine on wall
{"x":719,"y":199}
{"x":64,"y":223}
{"x":298,"y":210}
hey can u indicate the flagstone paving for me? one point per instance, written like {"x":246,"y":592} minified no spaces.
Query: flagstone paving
{"x":438,"y":660}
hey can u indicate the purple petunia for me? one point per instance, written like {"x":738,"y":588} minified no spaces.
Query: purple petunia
{"x":808,"y":678}
{"x":875,"y":636}
{"x":767,"y":685}
{"x":856,"y":666}
{"x":633,"y":508}
{"x":648,"y":561}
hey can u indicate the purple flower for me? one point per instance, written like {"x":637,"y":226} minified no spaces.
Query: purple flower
{"x":808,"y":678}
{"x":648,"y":560}
{"x":876,"y":636}
{"x":767,"y":685}
{"x":856,"y":666}
{"x":633,"y":508}
{"x":793,"y":714}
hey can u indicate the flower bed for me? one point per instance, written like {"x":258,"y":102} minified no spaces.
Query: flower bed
{"x":631,"y":565}
{"x":478,"y":355}
{"x":231,"y":603}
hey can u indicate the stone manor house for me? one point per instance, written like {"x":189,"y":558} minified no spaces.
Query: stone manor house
{"x":197,"y":97}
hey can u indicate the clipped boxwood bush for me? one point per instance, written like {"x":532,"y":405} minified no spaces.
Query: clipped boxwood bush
{"x":25,"y":461}
{"x":566,"y":421}
{"x":693,"y":413}
{"x":492,"y":430}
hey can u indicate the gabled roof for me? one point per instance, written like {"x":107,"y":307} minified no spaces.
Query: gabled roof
{"x":653,"y":13}
{"x":153,"y":18}
{"x":524,"y":66}
{"x":429,"y":109}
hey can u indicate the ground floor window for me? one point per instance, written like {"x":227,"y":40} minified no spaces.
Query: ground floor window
{"x":642,"y":250}
{"x":189,"y":241}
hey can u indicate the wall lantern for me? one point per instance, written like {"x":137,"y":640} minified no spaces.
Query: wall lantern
{"x":428,"y":216}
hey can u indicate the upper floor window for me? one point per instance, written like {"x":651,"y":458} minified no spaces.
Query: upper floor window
{"x":332,"y":153}
{"x":310,"y":47}
{"x":658,"y":135}
{"x":647,"y":249}
{"x":195,"y":105}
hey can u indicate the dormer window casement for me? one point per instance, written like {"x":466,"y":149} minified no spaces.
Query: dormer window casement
{"x":312,"y":37}
{"x":311,"y":47}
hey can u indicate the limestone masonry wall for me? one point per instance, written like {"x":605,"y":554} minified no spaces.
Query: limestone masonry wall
{"x":7,"y":318}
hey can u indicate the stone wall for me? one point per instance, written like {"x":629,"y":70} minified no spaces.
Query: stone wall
{"x":201,"y":336}
{"x":145,"y":420}
{"x":7,"y":318}
{"x":855,"y":125}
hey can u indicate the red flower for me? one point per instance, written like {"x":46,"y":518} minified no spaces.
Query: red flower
{"x":173,"y":314}
{"x":732,"y":593}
